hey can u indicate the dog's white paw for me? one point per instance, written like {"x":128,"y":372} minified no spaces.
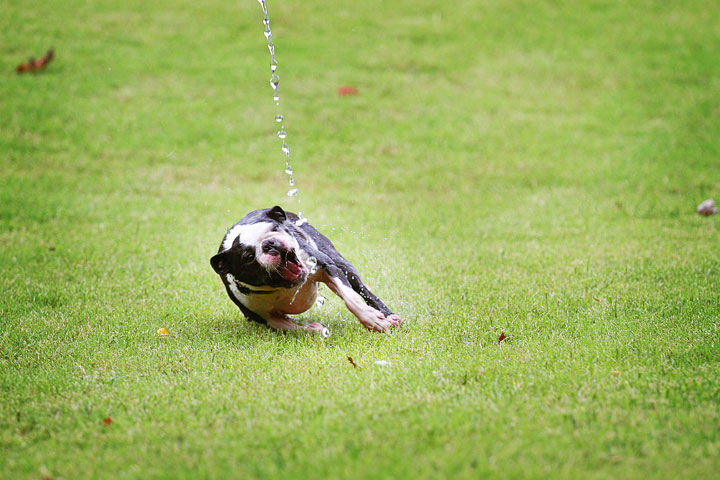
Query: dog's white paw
{"x":375,"y":321}
{"x":318,"y":328}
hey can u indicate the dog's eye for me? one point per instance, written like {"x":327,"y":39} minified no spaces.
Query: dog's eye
{"x":249,"y":256}
{"x":275,"y":228}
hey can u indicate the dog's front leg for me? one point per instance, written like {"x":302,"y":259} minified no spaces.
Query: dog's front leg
{"x":371,"y":318}
{"x":352,"y":278}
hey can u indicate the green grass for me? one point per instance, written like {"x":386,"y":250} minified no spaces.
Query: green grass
{"x":522,"y":167}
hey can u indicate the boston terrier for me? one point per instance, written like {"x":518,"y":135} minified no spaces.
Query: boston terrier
{"x":271,"y":262}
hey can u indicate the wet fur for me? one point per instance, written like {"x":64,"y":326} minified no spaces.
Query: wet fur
{"x":265,"y":296}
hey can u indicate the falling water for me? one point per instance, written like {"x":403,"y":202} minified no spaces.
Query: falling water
{"x":293,"y":192}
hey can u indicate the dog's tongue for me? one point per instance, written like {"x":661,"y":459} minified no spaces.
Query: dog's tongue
{"x":290,"y":271}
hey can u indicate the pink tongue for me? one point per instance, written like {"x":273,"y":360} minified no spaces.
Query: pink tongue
{"x":290,"y":271}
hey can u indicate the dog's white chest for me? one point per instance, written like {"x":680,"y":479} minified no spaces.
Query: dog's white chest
{"x":267,"y":300}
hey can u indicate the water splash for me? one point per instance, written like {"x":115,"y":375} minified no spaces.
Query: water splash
{"x":297,"y":291}
{"x":279,"y":118}
{"x":311,"y":263}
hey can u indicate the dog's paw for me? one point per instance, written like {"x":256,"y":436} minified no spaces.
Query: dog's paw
{"x":395,"y":320}
{"x":375,"y":321}
{"x":318,"y":328}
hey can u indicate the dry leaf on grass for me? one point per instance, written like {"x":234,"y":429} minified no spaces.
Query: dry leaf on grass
{"x":346,"y":90}
{"x":36,"y":64}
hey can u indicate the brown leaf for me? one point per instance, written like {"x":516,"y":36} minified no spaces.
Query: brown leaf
{"x":501,"y":337}
{"x":35,"y":64}
{"x":615,"y":372}
{"x":346,"y":90}
{"x":107,"y":421}
{"x":351,"y":362}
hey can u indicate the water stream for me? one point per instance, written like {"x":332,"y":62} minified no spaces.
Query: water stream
{"x":294,"y":191}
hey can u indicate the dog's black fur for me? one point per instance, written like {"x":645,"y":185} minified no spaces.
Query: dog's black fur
{"x":276,"y":257}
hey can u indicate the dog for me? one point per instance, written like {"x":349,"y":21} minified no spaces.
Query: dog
{"x":271,"y":262}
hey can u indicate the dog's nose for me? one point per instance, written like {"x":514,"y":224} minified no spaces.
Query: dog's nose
{"x":273,"y":246}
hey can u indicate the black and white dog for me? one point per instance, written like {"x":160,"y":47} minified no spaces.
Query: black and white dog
{"x":271,"y":267}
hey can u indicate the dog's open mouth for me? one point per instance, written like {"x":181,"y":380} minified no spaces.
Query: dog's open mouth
{"x":289,"y":267}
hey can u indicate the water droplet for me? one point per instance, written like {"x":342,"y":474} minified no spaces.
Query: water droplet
{"x":325,"y":332}
{"x":311,"y":263}
{"x":289,"y":170}
{"x":273,"y":65}
{"x":285,"y":149}
{"x":292,"y":192}
{"x":271,"y":47}
{"x":301,"y":221}
{"x":291,"y":181}
{"x":282,"y":134}
{"x":274,"y":81}
{"x":268,"y":33}
{"x":320,"y":301}
{"x":266,"y":21}
{"x":276,"y":97}
{"x":279,"y":118}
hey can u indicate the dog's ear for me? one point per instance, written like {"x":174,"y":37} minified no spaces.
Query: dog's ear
{"x":221,"y":262}
{"x":278,"y":214}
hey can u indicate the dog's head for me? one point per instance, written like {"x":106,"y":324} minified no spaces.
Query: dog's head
{"x":259,"y":250}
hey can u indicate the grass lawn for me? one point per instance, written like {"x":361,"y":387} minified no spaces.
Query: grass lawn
{"x":528,"y":168}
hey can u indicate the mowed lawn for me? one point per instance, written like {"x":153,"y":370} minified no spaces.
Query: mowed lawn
{"x":528,"y":169}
